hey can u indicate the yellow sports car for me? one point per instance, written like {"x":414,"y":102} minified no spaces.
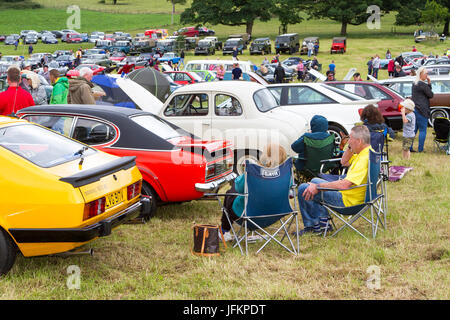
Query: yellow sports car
{"x":57,"y":194}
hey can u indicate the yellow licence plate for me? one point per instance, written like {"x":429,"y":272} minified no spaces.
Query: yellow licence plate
{"x":113,"y":199}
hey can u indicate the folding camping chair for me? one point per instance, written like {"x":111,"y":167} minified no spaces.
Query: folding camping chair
{"x":373,"y":202}
{"x":266,"y":203}
{"x":441,"y":132}
{"x":315,"y":152}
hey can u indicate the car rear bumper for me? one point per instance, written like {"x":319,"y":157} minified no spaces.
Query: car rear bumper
{"x":100,"y":229}
{"x":216,"y":184}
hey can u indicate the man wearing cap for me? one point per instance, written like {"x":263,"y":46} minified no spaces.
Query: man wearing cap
{"x":14,"y":98}
{"x":409,"y":124}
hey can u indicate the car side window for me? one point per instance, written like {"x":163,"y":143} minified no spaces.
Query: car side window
{"x":441,"y":86}
{"x":226,"y":105}
{"x":185,"y":77}
{"x":378,"y":94}
{"x":188,"y":105}
{"x":93,"y":132}
{"x":60,"y":124}
{"x":305,"y":95}
{"x":406,"y":89}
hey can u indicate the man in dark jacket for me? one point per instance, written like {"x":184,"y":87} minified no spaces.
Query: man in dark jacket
{"x":279,"y":73}
{"x":319,"y":131}
{"x":421,"y":95}
{"x":398,"y":72}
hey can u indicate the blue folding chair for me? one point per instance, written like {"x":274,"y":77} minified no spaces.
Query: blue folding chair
{"x":267,"y":202}
{"x":373,"y":201}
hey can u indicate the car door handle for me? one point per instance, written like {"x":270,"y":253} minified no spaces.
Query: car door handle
{"x":206,"y":123}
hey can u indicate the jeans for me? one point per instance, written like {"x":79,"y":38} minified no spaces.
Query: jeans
{"x":375,"y":73}
{"x":421,"y":125}
{"x":311,"y":210}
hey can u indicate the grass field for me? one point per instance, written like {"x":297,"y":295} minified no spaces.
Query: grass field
{"x":153,"y":261}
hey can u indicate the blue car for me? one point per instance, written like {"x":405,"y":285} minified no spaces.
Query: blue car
{"x":170,"y":56}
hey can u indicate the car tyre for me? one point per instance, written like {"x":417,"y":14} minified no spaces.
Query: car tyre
{"x":8,"y":252}
{"x":147,"y":190}
{"x":437,"y":113}
{"x":240,"y":156}
{"x":335,"y":130}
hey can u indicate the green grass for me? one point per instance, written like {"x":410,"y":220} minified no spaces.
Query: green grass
{"x":154,"y":261}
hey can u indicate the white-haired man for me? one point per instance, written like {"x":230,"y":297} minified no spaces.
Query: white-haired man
{"x":356,"y":157}
{"x":80,"y":88}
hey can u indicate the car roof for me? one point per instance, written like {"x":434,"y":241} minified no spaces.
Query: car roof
{"x":412,"y":78}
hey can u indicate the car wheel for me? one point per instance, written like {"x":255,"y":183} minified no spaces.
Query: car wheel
{"x":437,"y":113}
{"x":335,"y":130}
{"x":147,"y":190}
{"x":240,"y":156}
{"x":8,"y":252}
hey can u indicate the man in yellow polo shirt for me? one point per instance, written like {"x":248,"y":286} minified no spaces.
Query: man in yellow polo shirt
{"x":356,"y":157}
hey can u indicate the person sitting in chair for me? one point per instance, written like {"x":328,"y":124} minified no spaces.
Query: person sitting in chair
{"x":314,"y":215}
{"x":374,"y":120}
{"x":273,"y":156}
{"x":319,"y":127}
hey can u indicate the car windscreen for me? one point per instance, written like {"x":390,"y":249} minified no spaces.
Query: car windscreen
{"x":157,"y":127}
{"x":231,"y":42}
{"x":347,"y":94}
{"x":196,"y":76}
{"x":264,"y":100}
{"x":41,"y":146}
{"x":203,"y":44}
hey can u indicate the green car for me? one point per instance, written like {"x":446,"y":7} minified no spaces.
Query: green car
{"x":206,"y":76}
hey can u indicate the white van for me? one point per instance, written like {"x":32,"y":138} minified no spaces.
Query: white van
{"x":246,"y":66}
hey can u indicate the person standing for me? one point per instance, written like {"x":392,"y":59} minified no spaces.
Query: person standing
{"x":60,"y":88}
{"x":421,"y":95}
{"x":279,"y":73}
{"x":80,"y":88}
{"x":182,"y":57}
{"x":390,"y":67}
{"x":316,"y":48}
{"x":414,"y":49}
{"x":30,"y":49}
{"x":220,"y":72}
{"x":388,"y":54}
{"x":376,"y":66}
{"x":310,"y":47}
{"x":369,"y":67}
{"x":16,"y":44}
{"x":235,"y":54}
{"x":300,"y":70}
{"x":409,"y":122}
{"x":332,"y":66}
{"x":236,"y":72}
{"x":14,"y":98}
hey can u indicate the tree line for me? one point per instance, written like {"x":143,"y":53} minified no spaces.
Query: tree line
{"x":432,"y":13}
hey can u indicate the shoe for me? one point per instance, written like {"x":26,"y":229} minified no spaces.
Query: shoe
{"x":323,"y":222}
{"x":227,"y":236}
{"x":412,"y":150}
{"x":313,"y":230}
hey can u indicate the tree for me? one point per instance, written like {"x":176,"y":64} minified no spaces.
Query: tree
{"x":228,"y":12}
{"x":434,"y":14}
{"x":353,"y":12}
{"x":174,"y":2}
{"x":288,"y":12}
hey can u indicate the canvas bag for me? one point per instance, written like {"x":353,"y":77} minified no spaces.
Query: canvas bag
{"x":206,"y":240}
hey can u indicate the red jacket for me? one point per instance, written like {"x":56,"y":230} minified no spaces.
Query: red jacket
{"x":391,"y":65}
{"x":14,"y":99}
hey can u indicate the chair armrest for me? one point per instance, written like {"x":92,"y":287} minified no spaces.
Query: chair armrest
{"x":332,"y":189}
{"x":330,"y":160}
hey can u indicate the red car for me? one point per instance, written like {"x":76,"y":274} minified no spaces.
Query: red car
{"x":389,"y":100}
{"x":183,"y":77}
{"x":76,"y":72}
{"x":175,"y":165}
{"x":339,"y":45}
{"x":188,"y":32}
{"x":117,"y":56}
{"x":74,"y":38}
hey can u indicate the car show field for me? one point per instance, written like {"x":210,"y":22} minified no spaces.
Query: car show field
{"x":154,"y":260}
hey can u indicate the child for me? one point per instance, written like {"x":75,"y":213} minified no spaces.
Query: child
{"x":409,"y":123}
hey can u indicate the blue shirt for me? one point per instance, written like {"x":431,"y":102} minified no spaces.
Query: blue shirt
{"x":332,"y":66}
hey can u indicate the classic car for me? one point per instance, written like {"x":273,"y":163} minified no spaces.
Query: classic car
{"x":58,"y":53}
{"x":217,"y":43}
{"x":93,"y":51}
{"x":167,"y":45}
{"x":187,"y":32}
{"x":436,"y":61}
{"x":172,"y":161}
{"x":49,"y":39}
{"x":65,"y":60}
{"x":2,"y":37}
{"x":117,"y":56}
{"x":389,"y":99}
{"x":121,"y":46}
{"x":270,"y":75}
{"x":94,"y":67}
{"x":205,"y":47}
{"x":440,"y":85}
{"x":170,"y":56}
{"x":58,"y":34}
{"x":204,"y":31}
{"x":100,"y":59}
{"x":308,"y":99}
{"x":65,"y":32}
{"x":244,"y":36}
{"x":213,"y":64}
{"x":261,"y":46}
{"x":232,"y":43}
{"x":288,"y":43}
{"x":11,"y":39}
{"x":205,"y":75}
{"x":339,"y":45}
{"x":426,"y":36}
{"x":74,"y":193}
{"x":31,"y":39}
{"x":247,"y":115}
{"x":184,"y":77}
{"x":73,"y":38}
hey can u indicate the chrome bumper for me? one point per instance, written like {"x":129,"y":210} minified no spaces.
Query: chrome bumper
{"x":216,"y":184}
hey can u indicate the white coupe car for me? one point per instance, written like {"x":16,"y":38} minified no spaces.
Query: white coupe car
{"x":243,"y":112}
